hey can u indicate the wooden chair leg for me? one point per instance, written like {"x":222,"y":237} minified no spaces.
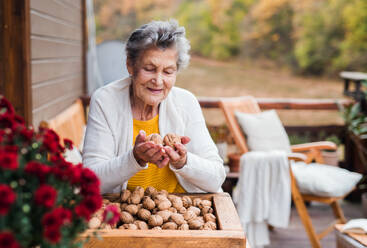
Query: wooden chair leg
{"x":338,"y":212}
{"x":303,"y":214}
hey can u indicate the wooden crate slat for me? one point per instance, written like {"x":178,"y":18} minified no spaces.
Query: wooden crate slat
{"x":166,"y":238}
{"x":226,"y":213}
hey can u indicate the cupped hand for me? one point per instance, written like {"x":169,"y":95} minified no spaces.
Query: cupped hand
{"x":178,"y":156}
{"x":146,"y":151}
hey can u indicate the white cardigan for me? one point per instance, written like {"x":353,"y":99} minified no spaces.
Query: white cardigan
{"x":109,"y":139}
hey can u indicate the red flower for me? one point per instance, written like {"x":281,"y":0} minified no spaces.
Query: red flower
{"x":45,"y":195}
{"x":51,"y":141}
{"x":27,"y":133}
{"x":76,"y":173}
{"x":89,"y":177}
{"x":6,"y":105}
{"x":68,"y":144}
{"x":7,"y":197}
{"x":52,"y":234}
{"x":37,"y":169}
{"x":82,"y":211}
{"x":7,"y":240}
{"x":8,"y":121}
{"x":111,"y":215}
{"x":63,"y":213}
{"x":88,"y":206}
{"x":9,"y":158}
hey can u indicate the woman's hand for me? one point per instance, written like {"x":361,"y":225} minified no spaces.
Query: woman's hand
{"x":146,"y":151}
{"x":178,"y":156}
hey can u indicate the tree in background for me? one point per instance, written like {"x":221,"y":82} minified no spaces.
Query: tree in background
{"x":214,"y":27}
{"x":353,"y":49}
{"x":318,"y":35}
{"x":269,"y":32}
{"x":310,"y":37}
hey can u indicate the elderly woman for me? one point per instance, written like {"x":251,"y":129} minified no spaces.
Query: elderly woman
{"x":123,"y":113}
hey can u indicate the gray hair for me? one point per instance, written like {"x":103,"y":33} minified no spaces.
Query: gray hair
{"x":160,"y":34}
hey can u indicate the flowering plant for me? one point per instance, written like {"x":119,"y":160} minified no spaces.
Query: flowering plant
{"x":44,"y":200}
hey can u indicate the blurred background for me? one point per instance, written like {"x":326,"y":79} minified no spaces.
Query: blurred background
{"x":278,"y":48}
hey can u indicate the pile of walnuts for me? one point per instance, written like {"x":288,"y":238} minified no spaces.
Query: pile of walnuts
{"x":152,"y":209}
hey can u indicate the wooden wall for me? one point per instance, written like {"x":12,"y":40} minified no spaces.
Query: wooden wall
{"x":57,"y":58}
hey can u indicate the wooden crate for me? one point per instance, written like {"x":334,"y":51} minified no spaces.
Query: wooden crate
{"x":229,"y":235}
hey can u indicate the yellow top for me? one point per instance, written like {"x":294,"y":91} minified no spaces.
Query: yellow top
{"x":159,"y":178}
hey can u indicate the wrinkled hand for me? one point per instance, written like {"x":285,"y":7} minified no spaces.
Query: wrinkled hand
{"x":146,"y":151}
{"x":178,"y":156}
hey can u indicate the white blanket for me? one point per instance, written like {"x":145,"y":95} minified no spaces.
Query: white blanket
{"x":264,"y":194}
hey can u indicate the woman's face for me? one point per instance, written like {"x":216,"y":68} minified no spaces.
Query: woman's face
{"x":154,"y":75}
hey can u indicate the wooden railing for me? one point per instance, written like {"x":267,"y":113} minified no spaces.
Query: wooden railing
{"x":284,"y":103}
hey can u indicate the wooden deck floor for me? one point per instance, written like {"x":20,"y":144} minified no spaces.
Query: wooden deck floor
{"x":295,"y":236}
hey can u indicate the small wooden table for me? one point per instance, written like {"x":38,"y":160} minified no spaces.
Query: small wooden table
{"x":344,"y":240}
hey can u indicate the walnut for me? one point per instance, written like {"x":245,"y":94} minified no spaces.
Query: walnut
{"x":165,"y":214}
{"x":171,"y":139}
{"x":172,"y":210}
{"x":157,"y":228}
{"x":205,"y":203}
{"x":134,"y":199}
{"x":139,"y":190}
{"x":130,"y":226}
{"x":132,"y":209}
{"x":155,"y":220}
{"x":171,"y":197}
{"x":186,"y":201}
{"x":141,"y":225}
{"x":150,"y":191}
{"x":155,"y":210}
{"x":159,"y":198}
{"x":125,"y":194}
{"x":155,"y":138}
{"x":195,"y":223}
{"x":184,"y":226}
{"x":123,"y":206}
{"x":144,"y":214}
{"x":163,"y":192}
{"x":94,"y":223}
{"x":169,"y":226}
{"x":182,"y":210}
{"x":126,"y":217}
{"x":148,"y":203}
{"x":206,"y":210}
{"x":140,"y":206}
{"x":210,"y":225}
{"x":105,"y":201}
{"x":195,"y":210}
{"x":177,"y":203}
{"x":209,"y":217}
{"x":163,"y":205}
{"x":189,"y":215}
{"x":106,"y":226}
{"x":177,"y":218}
{"x":196,"y":202}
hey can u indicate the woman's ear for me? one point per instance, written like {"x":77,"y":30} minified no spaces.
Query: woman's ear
{"x":130,"y":67}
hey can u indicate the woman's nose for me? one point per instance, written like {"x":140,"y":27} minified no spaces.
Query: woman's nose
{"x":158,"y":79}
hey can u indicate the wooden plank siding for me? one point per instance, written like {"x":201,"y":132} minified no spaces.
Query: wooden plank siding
{"x":56,"y":33}
{"x":15,"y":71}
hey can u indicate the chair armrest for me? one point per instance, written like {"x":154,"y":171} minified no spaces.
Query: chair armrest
{"x":322,"y":145}
{"x":297,"y":156}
